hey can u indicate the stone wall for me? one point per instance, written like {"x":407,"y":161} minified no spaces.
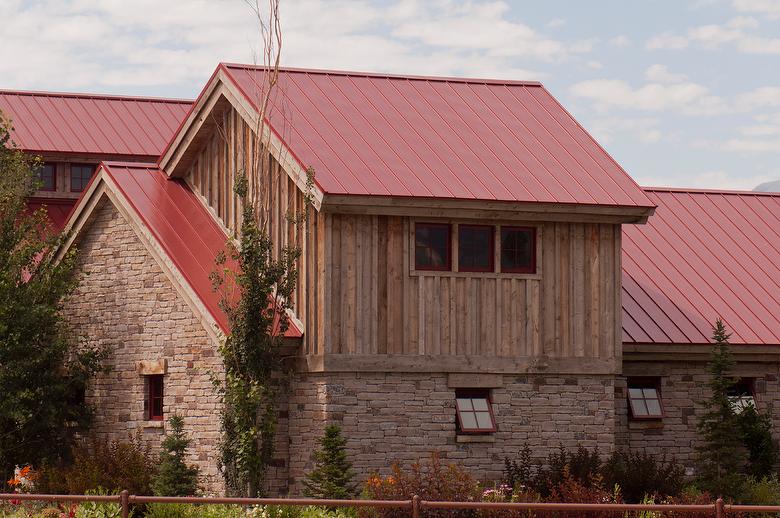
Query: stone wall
{"x":401,"y":417}
{"x":682,"y":385}
{"x":125,"y":302}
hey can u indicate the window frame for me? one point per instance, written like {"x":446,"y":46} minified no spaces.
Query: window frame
{"x":444,"y":268}
{"x":492,"y":229}
{"x":750,"y":385}
{"x":84,"y":185}
{"x":53,"y":177}
{"x":532,"y":268}
{"x":474,"y":394}
{"x":151,"y":395}
{"x":645,"y":383}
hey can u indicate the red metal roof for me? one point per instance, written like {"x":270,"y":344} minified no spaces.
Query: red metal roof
{"x":182,"y":226}
{"x":92,"y":124}
{"x":703,"y":255}
{"x":58,"y":209}
{"x":370,"y":134}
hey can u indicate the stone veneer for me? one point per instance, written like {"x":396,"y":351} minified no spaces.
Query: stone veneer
{"x":682,"y":385}
{"x":402,"y":417}
{"x":124,"y":301}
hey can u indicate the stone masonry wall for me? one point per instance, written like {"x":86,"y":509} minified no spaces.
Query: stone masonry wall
{"x":124,"y":301}
{"x":403,"y":418}
{"x":682,"y":386}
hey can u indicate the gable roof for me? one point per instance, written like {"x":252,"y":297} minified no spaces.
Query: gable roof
{"x":88,"y":124}
{"x":180,"y":225}
{"x":429,"y":137}
{"x":703,"y":255}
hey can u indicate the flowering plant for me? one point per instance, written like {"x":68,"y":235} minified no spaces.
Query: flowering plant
{"x":23,"y":480}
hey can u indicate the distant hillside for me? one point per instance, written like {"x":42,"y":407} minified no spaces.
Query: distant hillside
{"x":769,"y":186}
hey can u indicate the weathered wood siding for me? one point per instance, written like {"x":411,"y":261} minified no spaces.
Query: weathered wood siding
{"x":212,"y":176}
{"x":378,"y":305}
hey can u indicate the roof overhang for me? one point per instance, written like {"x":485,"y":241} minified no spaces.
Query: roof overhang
{"x":642,"y":354}
{"x":221,"y":94}
{"x":481,"y":209}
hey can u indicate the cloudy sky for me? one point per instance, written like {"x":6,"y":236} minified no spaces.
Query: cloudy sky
{"x":682,"y":93}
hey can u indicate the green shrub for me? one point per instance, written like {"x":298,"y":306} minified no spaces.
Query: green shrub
{"x":640,"y":474}
{"x":332,"y":475}
{"x":278,"y":511}
{"x":764,"y":491}
{"x":581,"y":466}
{"x":519,"y":472}
{"x":756,"y":431}
{"x":99,"y":509}
{"x":174,"y":477}
{"x":194,"y":511}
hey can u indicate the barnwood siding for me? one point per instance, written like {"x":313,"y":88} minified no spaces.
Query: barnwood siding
{"x":212,"y":176}
{"x":378,"y":305}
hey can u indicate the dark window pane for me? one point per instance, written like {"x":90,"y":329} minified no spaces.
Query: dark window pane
{"x":154,"y":397}
{"x":432,"y":246}
{"x":80,"y":175}
{"x":48,"y":177}
{"x":475,"y":248}
{"x":518,"y":250}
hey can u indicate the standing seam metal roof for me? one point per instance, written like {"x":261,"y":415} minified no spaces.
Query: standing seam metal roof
{"x":703,"y":255}
{"x":371,"y":134}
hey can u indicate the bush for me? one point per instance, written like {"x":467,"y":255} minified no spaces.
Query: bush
{"x":174,"y":477}
{"x":114,"y":465}
{"x":431,"y":481}
{"x":640,"y":474}
{"x":573,"y":490}
{"x":194,"y":511}
{"x":756,"y":432}
{"x":581,"y":466}
{"x":332,"y":475}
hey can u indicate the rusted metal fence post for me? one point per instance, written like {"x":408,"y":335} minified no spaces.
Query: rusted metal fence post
{"x":124,"y":500}
{"x":416,"y":506}
{"x":719,"y":513}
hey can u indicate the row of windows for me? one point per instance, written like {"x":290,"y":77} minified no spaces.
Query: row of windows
{"x":644,"y":397}
{"x":477,"y":248}
{"x":80,"y":175}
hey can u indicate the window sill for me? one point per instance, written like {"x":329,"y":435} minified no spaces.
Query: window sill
{"x":153,"y":425}
{"x":475,"y":275}
{"x":475,"y":438}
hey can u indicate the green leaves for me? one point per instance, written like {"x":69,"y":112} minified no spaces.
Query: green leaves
{"x":43,"y":369}
{"x":332,"y":476}
{"x":175,"y":477}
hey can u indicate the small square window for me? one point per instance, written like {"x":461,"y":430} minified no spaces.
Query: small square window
{"x":47,"y":175}
{"x":644,"y":399}
{"x":475,"y":248}
{"x":741,"y":395}
{"x":474,"y":411}
{"x":432,"y":246}
{"x":153,"y":402}
{"x":518,"y":250}
{"x":80,"y":175}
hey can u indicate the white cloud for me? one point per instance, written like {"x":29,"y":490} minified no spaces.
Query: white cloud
{"x":661,"y":74}
{"x":644,"y":129}
{"x":763,"y":97}
{"x":769,"y":8}
{"x":691,"y":98}
{"x":666,"y":41}
{"x":594,"y":65}
{"x":620,"y":41}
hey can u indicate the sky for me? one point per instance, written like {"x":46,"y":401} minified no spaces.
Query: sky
{"x":682,"y":93}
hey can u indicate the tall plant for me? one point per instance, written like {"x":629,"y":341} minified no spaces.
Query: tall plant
{"x":721,"y":455}
{"x":258,"y":320}
{"x":43,"y":371}
{"x":332,"y":476}
{"x":174,"y":476}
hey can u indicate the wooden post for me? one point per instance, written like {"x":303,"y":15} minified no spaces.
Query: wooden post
{"x":415,"y":506}
{"x":124,"y":498}
{"x":719,"y":508}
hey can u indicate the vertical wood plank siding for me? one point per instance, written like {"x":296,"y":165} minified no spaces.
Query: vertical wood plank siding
{"x":212,"y":176}
{"x":568,"y":311}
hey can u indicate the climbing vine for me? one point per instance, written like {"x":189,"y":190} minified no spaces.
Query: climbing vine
{"x":256,"y":289}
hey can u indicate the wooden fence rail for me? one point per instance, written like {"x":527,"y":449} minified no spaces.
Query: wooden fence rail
{"x":416,"y":505}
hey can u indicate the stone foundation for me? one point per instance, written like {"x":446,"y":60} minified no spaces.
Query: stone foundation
{"x":402,"y":418}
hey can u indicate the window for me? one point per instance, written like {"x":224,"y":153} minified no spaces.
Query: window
{"x":153,"y":403}
{"x":741,"y":395}
{"x":644,"y":399}
{"x":475,"y":248}
{"x":475,"y":413}
{"x":48,"y":177}
{"x":432,"y":246}
{"x":80,"y":175}
{"x":518,"y":250}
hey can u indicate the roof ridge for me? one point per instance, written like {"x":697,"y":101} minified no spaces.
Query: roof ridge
{"x":445,"y":79}
{"x":83,"y":95}
{"x":733,"y":192}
